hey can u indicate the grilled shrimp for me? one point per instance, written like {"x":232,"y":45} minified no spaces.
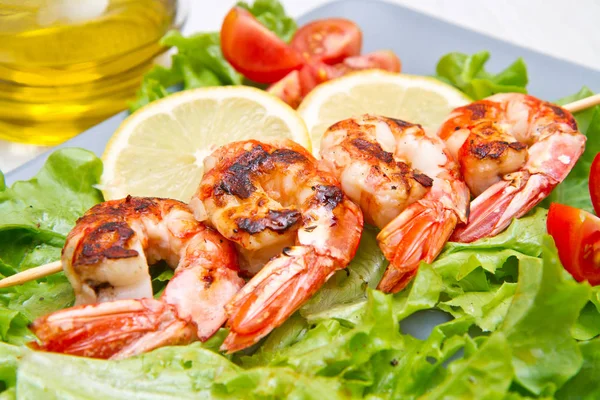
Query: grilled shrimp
{"x":405,"y":182}
{"x":271,"y":199}
{"x":106,"y":258}
{"x":513,"y":149}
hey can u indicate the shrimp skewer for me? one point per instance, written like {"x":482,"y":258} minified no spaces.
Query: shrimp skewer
{"x":405,"y":182}
{"x":286,"y":217}
{"x":513,"y":149}
{"x":106,"y":259}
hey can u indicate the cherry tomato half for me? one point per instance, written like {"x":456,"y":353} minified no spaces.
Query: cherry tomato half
{"x":288,"y":89}
{"x":315,"y":72}
{"x":328,"y":40}
{"x":254,"y":50}
{"x":594,"y":183}
{"x":382,"y":59}
{"x":297,"y":84}
{"x":577,"y":237}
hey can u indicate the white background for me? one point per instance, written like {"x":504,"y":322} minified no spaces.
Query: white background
{"x":565,"y":29}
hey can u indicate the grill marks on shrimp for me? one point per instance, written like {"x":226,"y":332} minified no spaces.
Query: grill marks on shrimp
{"x":276,"y":220}
{"x":329,"y":196}
{"x":494,"y":149}
{"x":373,"y":149}
{"x":237,"y":179}
{"x":403,"y":124}
{"x":423,"y":179}
{"x":478,"y":110}
{"x":373,"y":165}
{"x":240,"y":180}
{"x":482,"y":144}
{"x":367,"y":148}
{"x":107,"y":241}
{"x":560,"y":112}
{"x":108,"y":234}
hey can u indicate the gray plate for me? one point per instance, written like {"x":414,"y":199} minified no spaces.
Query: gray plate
{"x":420,"y":41}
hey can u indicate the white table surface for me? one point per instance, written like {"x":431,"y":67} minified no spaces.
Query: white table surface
{"x":564,"y":29}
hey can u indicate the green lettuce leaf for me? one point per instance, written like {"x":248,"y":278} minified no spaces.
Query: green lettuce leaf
{"x":422,"y":294}
{"x":488,"y":308}
{"x":150,"y":90}
{"x":168,"y":373}
{"x":35,"y":217}
{"x":371,"y":357}
{"x":478,"y":279}
{"x":199,"y":61}
{"x":467,"y":73}
{"x":588,"y":324}
{"x":37,"y":214}
{"x":419,"y":367}
{"x":541,"y":353}
{"x":13,"y":327}
{"x":584,"y":385}
{"x":202,"y":51}
{"x":487,"y":374}
{"x":49,"y":203}
{"x":271,"y":14}
{"x":9,"y":363}
{"x":277,"y":383}
{"x":583,"y":117}
{"x":189,"y":372}
{"x":160,"y":274}
{"x":538,"y":323}
{"x":573,"y":191}
{"x":290,"y":332}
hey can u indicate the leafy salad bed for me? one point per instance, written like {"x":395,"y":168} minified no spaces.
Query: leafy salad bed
{"x":518,"y":325}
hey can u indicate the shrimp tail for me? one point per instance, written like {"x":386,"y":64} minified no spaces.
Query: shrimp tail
{"x":274,"y":294}
{"x":417,"y":234}
{"x":112,"y":330}
{"x":494,"y":209}
{"x":200,"y":296}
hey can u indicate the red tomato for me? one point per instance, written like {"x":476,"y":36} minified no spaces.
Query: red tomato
{"x":288,"y":89}
{"x":316,"y":72}
{"x":382,"y":59}
{"x":328,"y":40}
{"x":297,"y":84}
{"x":595,"y":183}
{"x":577,"y":237}
{"x":254,"y":50}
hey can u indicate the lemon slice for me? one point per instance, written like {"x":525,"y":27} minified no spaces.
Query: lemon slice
{"x":159,"y":150}
{"x":416,"y":99}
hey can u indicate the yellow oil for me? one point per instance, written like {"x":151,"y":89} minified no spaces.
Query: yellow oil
{"x":66,"y":65}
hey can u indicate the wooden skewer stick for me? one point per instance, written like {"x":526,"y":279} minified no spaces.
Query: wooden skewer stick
{"x":31,"y":274}
{"x":54,"y":267}
{"x":583,"y":103}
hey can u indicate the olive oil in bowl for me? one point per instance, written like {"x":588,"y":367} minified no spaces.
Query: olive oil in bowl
{"x":67,"y":64}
